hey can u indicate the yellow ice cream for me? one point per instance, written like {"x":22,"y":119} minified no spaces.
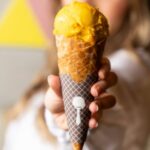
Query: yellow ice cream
{"x":81,"y":20}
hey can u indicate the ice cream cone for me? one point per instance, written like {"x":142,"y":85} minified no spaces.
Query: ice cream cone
{"x":77,"y":146}
{"x":73,"y":57}
{"x":80,"y":45}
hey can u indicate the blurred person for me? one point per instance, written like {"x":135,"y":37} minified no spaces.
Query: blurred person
{"x":126,"y":126}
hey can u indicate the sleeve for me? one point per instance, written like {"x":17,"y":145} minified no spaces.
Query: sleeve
{"x":62,"y":136}
{"x":10,"y":136}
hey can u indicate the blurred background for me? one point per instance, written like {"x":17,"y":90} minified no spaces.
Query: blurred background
{"x":24,"y":37}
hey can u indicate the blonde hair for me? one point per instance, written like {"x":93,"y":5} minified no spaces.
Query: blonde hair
{"x":134,"y":33}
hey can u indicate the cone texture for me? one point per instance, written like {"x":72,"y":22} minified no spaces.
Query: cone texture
{"x":70,"y":89}
{"x":77,"y":63}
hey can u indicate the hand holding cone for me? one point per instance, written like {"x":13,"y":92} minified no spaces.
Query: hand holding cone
{"x":81,"y":32}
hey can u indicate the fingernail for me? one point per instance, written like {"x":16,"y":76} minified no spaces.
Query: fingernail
{"x":97,"y":108}
{"x":49,"y":79}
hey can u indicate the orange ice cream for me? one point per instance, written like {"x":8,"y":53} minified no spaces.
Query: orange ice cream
{"x":79,"y":29}
{"x":81,"y":19}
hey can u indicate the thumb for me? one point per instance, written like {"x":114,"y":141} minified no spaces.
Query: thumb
{"x":53,"y":98}
{"x":54,"y":83}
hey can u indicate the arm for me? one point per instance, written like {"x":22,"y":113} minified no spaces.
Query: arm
{"x":103,"y":100}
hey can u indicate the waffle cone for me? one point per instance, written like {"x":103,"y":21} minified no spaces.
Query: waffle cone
{"x":77,"y":146}
{"x":78,"y":67}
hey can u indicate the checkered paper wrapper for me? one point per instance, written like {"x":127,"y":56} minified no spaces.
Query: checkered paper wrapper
{"x":77,"y":73}
{"x":70,"y":90}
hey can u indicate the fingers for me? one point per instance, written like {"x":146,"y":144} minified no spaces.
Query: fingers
{"x":102,"y":85}
{"x":61,"y":121}
{"x":93,"y":107}
{"x":95,"y":115}
{"x":93,"y":122}
{"x":54,"y":102}
{"x":104,"y":69}
{"x":54,"y":83}
{"x":104,"y":101}
{"x":53,"y":98}
{"x":98,"y":88}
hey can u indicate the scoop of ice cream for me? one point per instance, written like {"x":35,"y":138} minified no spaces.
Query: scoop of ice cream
{"x":81,"y":20}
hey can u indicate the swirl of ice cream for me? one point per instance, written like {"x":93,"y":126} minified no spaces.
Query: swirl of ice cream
{"x":82,"y":20}
{"x":81,"y":31}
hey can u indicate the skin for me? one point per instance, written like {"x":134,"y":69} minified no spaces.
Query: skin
{"x":102,"y":99}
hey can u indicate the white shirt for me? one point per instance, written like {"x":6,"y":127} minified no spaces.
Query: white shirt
{"x":22,"y":133}
{"x":124,"y":127}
